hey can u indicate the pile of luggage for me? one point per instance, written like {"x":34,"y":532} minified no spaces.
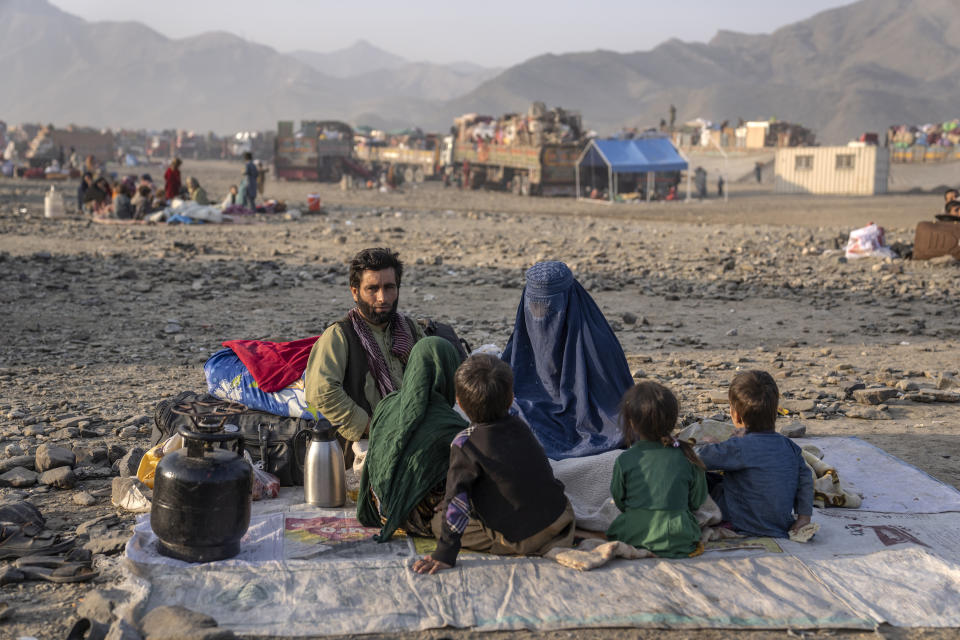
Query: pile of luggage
{"x":536,"y":127}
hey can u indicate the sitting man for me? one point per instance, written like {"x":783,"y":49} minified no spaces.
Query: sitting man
{"x":361,"y":358}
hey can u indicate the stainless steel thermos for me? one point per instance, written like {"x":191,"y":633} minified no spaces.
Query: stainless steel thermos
{"x":324,"y":484}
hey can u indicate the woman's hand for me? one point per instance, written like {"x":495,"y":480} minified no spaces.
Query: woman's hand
{"x":428,"y":565}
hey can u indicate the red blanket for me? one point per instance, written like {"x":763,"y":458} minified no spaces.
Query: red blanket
{"x":274,"y":365}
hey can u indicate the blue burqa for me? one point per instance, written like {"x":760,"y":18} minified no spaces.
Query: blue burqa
{"x":569,"y":369}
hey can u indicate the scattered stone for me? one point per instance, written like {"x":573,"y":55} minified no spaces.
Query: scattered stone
{"x":170,"y":623}
{"x":99,"y":605}
{"x":932,"y":395}
{"x":129,"y":463}
{"x":113,"y":542}
{"x":947,"y":381}
{"x":798,"y":406}
{"x":94,"y":457}
{"x":18,"y":477}
{"x":98,"y":526}
{"x":28,"y":462}
{"x":72,"y":421}
{"x":129,"y":432}
{"x":868,"y":413}
{"x":874,"y":396}
{"x":629,"y":318}
{"x":849,"y":390}
{"x":92,"y":473}
{"x":793,"y":429}
{"x":50,"y":457}
{"x":115,"y":452}
{"x":84,"y":499}
{"x":718,"y":397}
{"x":59,"y":478}
{"x":35,"y":429}
{"x":13,"y":450}
{"x":907,"y":385}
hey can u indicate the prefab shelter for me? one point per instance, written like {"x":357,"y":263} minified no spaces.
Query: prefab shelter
{"x":638,"y":156}
{"x":857,"y":169}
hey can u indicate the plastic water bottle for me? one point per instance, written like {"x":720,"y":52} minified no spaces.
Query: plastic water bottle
{"x":53,"y":204}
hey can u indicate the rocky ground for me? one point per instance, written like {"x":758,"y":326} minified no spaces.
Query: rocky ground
{"x":102,"y":322}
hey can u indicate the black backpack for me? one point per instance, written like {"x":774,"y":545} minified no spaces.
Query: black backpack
{"x":276,"y":440}
{"x":447,"y":332}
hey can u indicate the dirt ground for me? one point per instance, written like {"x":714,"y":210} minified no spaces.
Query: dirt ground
{"x":104,"y":321}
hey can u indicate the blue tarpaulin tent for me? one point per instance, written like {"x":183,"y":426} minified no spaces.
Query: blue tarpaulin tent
{"x":640,"y":155}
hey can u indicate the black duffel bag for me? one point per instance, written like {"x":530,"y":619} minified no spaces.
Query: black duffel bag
{"x":278,"y":441}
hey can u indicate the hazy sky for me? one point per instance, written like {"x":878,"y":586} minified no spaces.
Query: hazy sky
{"x":490,"y":33}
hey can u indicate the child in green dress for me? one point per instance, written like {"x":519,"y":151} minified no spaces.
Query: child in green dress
{"x":658,"y":482}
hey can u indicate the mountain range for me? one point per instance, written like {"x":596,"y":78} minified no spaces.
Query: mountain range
{"x":843,"y":71}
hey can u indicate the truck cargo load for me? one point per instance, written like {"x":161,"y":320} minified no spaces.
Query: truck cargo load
{"x":531,"y":153}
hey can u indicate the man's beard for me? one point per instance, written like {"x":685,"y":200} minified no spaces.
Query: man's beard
{"x":372,"y":316}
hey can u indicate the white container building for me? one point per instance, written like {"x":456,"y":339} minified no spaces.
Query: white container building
{"x":854,"y":170}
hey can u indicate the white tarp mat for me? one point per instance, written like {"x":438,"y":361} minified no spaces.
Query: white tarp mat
{"x":310,"y":571}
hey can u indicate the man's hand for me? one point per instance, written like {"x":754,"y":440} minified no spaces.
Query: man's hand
{"x":428,"y":565}
{"x":800,"y":522}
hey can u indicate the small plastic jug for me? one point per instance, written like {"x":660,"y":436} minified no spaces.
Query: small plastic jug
{"x":53,"y":204}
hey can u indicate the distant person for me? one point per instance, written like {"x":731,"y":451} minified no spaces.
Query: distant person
{"x":172,"y":185}
{"x":197,"y":193}
{"x":758,"y":171}
{"x":74,"y":159}
{"x":97,"y":196}
{"x":700,"y":182}
{"x":719,"y":186}
{"x":232,"y":198}
{"x":122,"y":205}
{"x":85,"y":182}
{"x":950,"y":195}
{"x":248,"y":187}
{"x":142,"y":202}
{"x":951,"y":212}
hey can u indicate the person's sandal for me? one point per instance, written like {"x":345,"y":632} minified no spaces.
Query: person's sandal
{"x":29,"y":539}
{"x":66,"y":572}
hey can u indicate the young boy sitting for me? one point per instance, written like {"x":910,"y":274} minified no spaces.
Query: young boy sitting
{"x":765,"y":479}
{"x":501,"y":496}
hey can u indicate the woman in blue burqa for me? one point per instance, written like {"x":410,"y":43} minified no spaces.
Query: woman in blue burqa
{"x":569,"y":369}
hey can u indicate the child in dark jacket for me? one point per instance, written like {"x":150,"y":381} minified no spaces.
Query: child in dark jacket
{"x":501,"y":495}
{"x":765,"y":480}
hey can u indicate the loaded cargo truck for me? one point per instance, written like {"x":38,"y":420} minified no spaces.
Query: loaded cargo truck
{"x":531,"y":154}
{"x":319,"y":151}
{"x":415,"y":164}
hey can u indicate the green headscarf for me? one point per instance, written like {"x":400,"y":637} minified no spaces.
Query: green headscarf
{"x":410,"y":435}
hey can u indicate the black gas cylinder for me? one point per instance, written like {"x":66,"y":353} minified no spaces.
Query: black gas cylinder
{"x":201,"y":499}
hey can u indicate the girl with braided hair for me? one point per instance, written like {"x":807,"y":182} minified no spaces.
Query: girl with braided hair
{"x":658,"y":482}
